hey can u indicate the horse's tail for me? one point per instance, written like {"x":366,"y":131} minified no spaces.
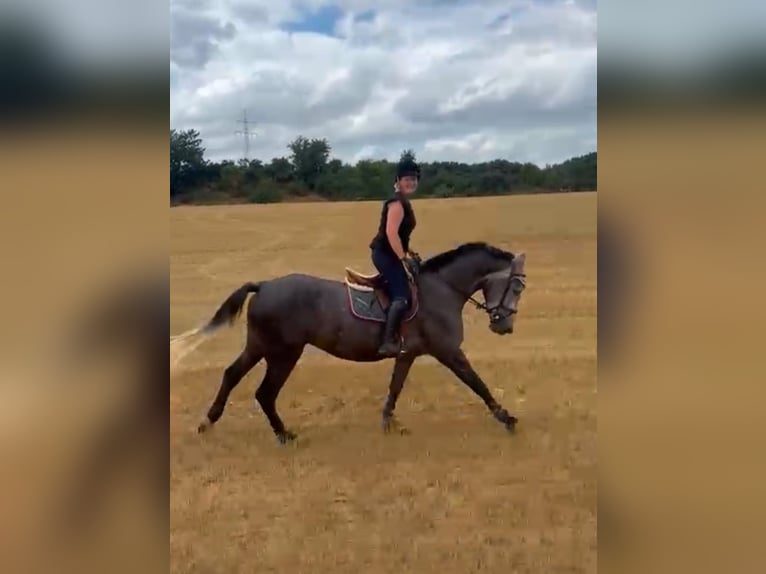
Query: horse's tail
{"x":231,"y":308}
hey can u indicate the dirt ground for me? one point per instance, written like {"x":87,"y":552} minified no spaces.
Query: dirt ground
{"x":457,"y":495}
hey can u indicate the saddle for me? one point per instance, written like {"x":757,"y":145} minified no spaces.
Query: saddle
{"x":374,"y":281}
{"x":368,"y":299}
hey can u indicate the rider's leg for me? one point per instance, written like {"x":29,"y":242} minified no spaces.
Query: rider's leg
{"x":398,"y":291}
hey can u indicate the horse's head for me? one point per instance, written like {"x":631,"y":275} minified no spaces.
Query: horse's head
{"x":499,"y":274}
{"x":502,"y":292}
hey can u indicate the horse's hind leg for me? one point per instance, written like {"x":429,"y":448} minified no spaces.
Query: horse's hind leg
{"x":279,"y":367}
{"x":233,"y":374}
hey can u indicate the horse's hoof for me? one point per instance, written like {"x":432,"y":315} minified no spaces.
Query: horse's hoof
{"x":503,"y":416}
{"x":204,"y":425}
{"x":391,"y":425}
{"x":286,"y":437}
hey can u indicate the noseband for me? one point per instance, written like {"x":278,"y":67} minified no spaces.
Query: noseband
{"x":499,"y":312}
{"x":496,"y":311}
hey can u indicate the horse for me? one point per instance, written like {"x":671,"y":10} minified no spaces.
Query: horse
{"x":344,"y":319}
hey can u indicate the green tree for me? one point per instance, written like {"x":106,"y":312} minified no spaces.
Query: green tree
{"x":187,"y":160}
{"x":407,"y":154}
{"x":280,"y":170}
{"x":252,"y":172}
{"x":231,"y":178}
{"x":531,"y":176}
{"x":309,"y":158}
{"x":311,"y":169}
{"x":377,"y":178}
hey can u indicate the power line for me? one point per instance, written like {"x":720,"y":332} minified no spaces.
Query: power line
{"x":245,"y":133}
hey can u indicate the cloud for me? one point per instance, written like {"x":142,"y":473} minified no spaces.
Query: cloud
{"x":452,"y":80}
{"x":195,"y":37}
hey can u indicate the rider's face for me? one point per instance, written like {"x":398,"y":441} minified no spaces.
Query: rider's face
{"x":408,"y":184}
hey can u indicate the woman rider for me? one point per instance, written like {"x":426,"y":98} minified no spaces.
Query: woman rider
{"x":391,"y":253}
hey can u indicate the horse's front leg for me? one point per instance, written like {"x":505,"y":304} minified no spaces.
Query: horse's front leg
{"x":456,"y":361}
{"x":398,"y":376}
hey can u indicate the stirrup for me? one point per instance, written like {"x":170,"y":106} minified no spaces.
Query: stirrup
{"x":394,"y":350}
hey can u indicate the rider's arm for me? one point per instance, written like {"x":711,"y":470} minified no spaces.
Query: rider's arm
{"x":393,"y":220}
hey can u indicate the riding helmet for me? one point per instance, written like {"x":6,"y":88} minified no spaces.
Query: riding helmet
{"x":407,"y":167}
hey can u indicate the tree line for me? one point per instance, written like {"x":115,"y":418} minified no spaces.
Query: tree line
{"x":309,"y":172}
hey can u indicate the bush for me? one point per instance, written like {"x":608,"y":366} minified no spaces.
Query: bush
{"x":266,"y":192}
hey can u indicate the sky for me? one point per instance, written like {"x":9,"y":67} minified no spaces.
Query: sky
{"x":455,"y":80}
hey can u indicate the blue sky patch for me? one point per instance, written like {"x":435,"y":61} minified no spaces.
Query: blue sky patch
{"x":321,"y":21}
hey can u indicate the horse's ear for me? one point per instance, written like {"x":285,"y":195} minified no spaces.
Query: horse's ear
{"x":519,"y":260}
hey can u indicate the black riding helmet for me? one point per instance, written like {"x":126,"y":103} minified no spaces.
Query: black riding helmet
{"x":407,"y":167}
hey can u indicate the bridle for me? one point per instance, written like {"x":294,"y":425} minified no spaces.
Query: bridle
{"x":496,"y":312}
{"x":500,"y":311}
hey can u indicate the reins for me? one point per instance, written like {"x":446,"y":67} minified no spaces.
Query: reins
{"x":483,"y":306}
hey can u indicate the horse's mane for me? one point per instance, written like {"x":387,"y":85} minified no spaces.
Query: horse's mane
{"x":443,"y":259}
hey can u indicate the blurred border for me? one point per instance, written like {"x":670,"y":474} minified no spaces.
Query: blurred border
{"x":681,"y":136}
{"x":84,"y":381}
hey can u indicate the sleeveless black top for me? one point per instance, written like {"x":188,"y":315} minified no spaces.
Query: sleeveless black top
{"x":380,"y":241}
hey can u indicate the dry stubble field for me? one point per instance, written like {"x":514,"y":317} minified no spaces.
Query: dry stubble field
{"x":458,"y":494}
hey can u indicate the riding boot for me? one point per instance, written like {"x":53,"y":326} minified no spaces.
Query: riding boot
{"x":390,"y":346}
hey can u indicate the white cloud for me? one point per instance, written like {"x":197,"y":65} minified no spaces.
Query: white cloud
{"x":453,"y":80}
{"x":367,"y":152}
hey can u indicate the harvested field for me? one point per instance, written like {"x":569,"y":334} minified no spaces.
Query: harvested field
{"x":457,"y":495}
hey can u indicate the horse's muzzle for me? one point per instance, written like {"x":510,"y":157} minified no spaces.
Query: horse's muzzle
{"x":501,"y":327}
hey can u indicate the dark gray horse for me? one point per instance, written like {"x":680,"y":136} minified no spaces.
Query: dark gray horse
{"x":296,"y":310}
